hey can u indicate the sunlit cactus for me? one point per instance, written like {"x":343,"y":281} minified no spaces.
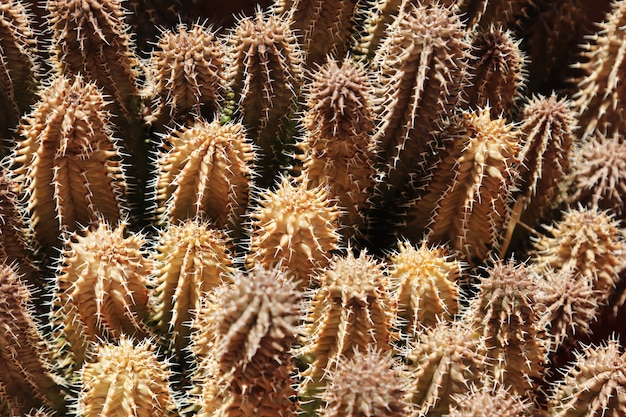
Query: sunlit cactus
{"x":263,"y":77}
{"x":190,"y":259}
{"x":351,"y":310}
{"x":599,"y":174}
{"x":511,"y":323}
{"x":101,"y":292}
{"x":125,"y":379}
{"x":92,"y":38}
{"x":338,"y":149}
{"x":421,"y":72}
{"x":19,"y":67}
{"x":466,"y":202}
{"x":496,"y":69}
{"x":443,"y":363}
{"x":205,"y":172}
{"x":426,"y":281}
{"x":366,"y":385}
{"x":323,"y":26}
{"x":590,"y":242}
{"x":600,"y":99}
{"x":594,"y":385}
{"x":295,"y":227}
{"x":186,"y":75}
{"x":245,"y":330}
{"x":490,"y":400}
{"x":571,"y":305}
{"x":68,"y":164}
{"x":26,"y":380}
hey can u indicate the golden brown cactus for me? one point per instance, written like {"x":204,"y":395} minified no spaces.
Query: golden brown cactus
{"x":490,"y":400}
{"x":496,"y":69}
{"x":421,"y":70}
{"x":18,"y":67}
{"x":351,"y":310}
{"x":26,"y":380}
{"x":125,"y":379}
{"x":205,"y":171}
{"x":323,"y":26}
{"x":338,"y":150}
{"x":185,"y":75}
{"x":511,"y":324}
{"x":590,"y":242}
{"x":426,"y":282}
{"x":593,"y":386}
{"x":447,"y":358}
{"x":294,"y":227}
{"x":263,"y":78}
{"x":600,"y":99}
{"x":367,"y":384}
{"x":91,"y":38}
{"x":466,"y":202}
{"x":68,"y":164}
{"x":245,"y":332}
{"x":599,"y":174}
{"x":190,"y":259}
{"x":101,"y":291}
{"x":545,"y":156}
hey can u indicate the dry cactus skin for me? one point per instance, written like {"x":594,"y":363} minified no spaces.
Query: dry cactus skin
{"x":496,"y":71}
{"x":511,"y":323}
{"x":19,"y":69}
{"x":425,"y":280}
{"x":125,"y":379}
{"x":421,"y":71}
{"x":245,"y":331}
{"x":366,"y":385}
{"x":599,"y":174}
{"x":190,"y":259}
{"x":40,"y":412}
{"x":91,"y":37}
{"x":101,"y":292}
{"x":295,"y":227}
{"x":338,"y":150}
{"x":205,"y":172}
{"x":466,"y":202}
{"x":571,"y":303}
{"x":351,"y":310}
{"x":593,"y":386}
{"x":490,"y":400}
{"x":446,"y":359}
{"x":68,"y":164}
{"x":323,"y":26}
{"x":545,"y":156}
{"x":186,"y":75}
{"x":590,"y":242}
{"x":600,"y":98}
{"x":263,"y":76}
{"x":26,"y":380}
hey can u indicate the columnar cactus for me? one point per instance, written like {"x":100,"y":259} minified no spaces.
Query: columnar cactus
{"x":26,"y":380}
{"x":68,"y":164}
{"x":426,"y":282}
{"x":295,"y":227}
{"x":186,"y":75}
{"x":190,"y":260}
{"x":205,"y":171}
{"x":125,"y":379}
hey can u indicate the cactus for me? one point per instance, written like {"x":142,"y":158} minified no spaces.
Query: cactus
{"x":426,"y":280}
{"x":125,"y":379}
{"x":186,"y":75}
{"x":294,"y":227}
{"x":68,"y":164}
{"x":490,"y":400}
{"x":593,"y":385}
{"x":27,"y":380}
{"x":204,"y":171}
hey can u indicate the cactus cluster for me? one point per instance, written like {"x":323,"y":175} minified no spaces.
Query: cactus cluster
{"x":314,"y":208}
